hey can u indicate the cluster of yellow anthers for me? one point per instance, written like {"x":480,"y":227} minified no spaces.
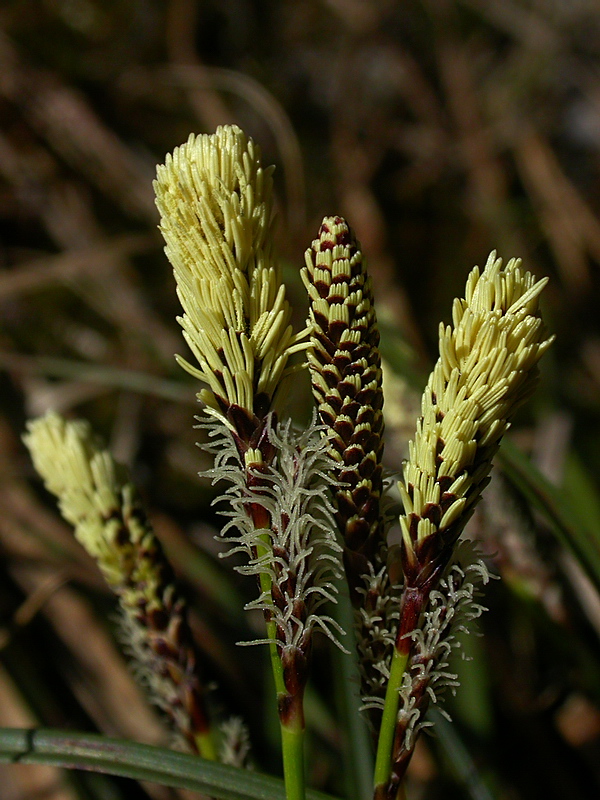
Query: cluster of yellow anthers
{"x":83,"y":478}
{"x":486,"y":369}
{"x":215,"y":201}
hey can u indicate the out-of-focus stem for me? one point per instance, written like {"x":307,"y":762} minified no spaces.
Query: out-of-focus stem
{"x":356,"y":736}
{"x":206,"y":746}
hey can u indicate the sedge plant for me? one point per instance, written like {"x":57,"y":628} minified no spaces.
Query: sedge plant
{"x":305,"y":506}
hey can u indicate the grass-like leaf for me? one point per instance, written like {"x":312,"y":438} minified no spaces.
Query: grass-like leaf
{"x":461,"y":765}
{"x":139,"y":761}
{"x":356,"y":740}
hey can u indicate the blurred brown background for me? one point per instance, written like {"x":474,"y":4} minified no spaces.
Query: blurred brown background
{"x":440,"y":130}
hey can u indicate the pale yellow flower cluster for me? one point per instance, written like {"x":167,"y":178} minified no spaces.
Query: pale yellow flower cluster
{"x":486,"y":369}
{"x":215,"y":201}
{"x":101,"y":506}
{"x":83,"y":478}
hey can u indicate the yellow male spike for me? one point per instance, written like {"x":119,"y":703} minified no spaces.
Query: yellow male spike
{"x":215,"y":202}
{"x":486,"y":370}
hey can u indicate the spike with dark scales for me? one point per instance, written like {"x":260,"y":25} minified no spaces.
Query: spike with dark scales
{"x":345,"y":369}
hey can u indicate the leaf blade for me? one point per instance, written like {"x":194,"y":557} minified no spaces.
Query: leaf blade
{"x":139,"y":761}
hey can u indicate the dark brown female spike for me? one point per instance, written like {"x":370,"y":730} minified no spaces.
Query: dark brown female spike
{"x":345,"y":367}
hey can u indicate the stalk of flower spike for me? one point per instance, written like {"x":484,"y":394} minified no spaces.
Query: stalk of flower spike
{"x":302,"y":556}
{"x":112,"y":526}
{"x":486,"y":370}
{"x":215,"y":202}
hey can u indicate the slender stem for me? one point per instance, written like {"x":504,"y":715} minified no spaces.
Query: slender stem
{"x":383,"y":760}
{"x":276,"y":664}
{"x":356,"y":737}
{"x":292,"y":742}
{"x":292,"y":722}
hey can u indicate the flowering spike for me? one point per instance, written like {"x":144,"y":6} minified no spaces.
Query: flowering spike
{"x":111,"y":524}
{"x":216,"y":217}
{"x":215,"y":201}
{"x":345,"y":368}
{"x":486,"y":370}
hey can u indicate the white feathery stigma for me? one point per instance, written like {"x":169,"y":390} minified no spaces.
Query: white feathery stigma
{"x":299,"y":551}
{"x":235,"y":743}
{"x":451,"y":607}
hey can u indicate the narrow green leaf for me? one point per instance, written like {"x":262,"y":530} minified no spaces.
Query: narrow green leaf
{"x":139,"y":761}
{"x":356,"y":740}
{"x":581,"y":492}
{"x":398,"y":353}
{"x":569,"y":526}
{"x":472,"y":704}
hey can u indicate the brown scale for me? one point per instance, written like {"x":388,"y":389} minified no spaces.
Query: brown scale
{"x":355,"y":403}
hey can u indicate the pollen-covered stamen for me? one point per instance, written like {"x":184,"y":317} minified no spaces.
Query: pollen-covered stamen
{"x":486,"y":370}
{"x":215,"y":201}
{"x":345,"y":368}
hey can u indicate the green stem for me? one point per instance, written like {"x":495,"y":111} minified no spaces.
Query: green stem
{"x":292,"y":730}
{"x":276,"y":665}
{"x":383,"y":760}
{"x":292,"y":742}
{"x":411,"y":605}
{"x":356,"y":737}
